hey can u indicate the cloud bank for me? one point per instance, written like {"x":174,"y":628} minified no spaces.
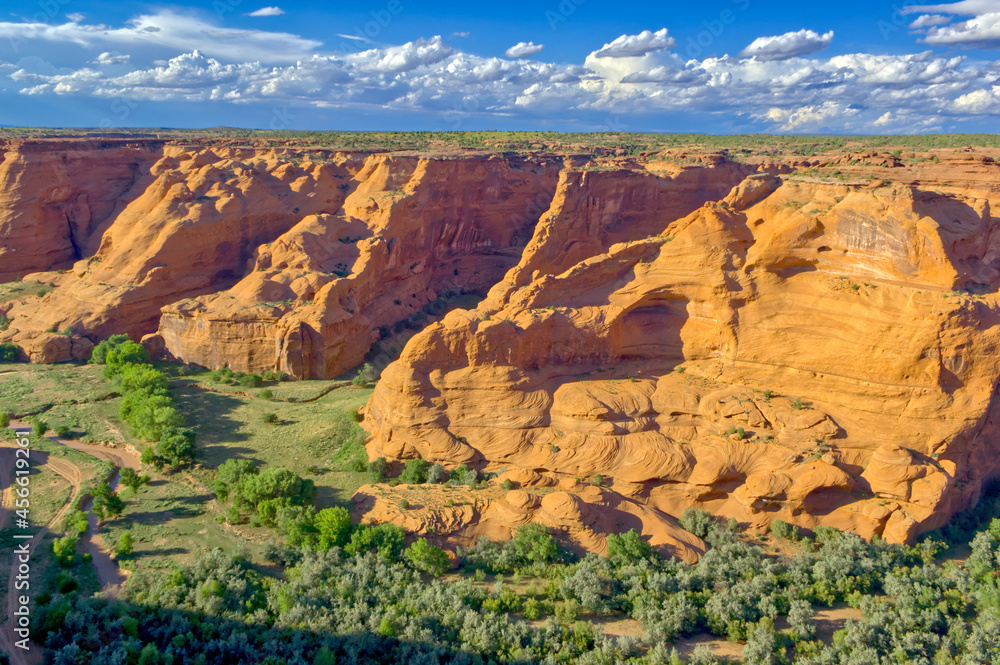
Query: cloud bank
{"x":771,"y":85}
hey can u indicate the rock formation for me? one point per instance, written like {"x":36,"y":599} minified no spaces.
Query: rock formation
{"x":810,"y":338}
{"x":817,"y":352}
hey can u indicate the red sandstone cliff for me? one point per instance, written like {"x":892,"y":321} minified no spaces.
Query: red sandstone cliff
{"x":810,"y":338}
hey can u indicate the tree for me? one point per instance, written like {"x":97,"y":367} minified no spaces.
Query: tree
{"x":9,"y":352}
{"x":629,"y":547}
{"x":800,"y":618}
{"x":123,"y":355}
{"x":98,"y":355}
{"x":76,"y":522}
{"x":229,"y":474}
{"x":379,"y":469}
{"x":325,"y":657}
{"x":106,"y":502}
{"x":761,"y":645}
{"x":39,"y":427}
{"x":415,"y":472}
{"x":124,"y":546}
{"x":426,"y":558}
{"x":4,"y":419}
{"x":785,"y":531}
{"x":696,"y":521}
{"x":535,"y":544}
{"x":176,"y":446}
{"x":334,"y":527}
{"x":132,"y":480}
{"x":142,"y":378}
{"x":64,"y":550}
{"x":464,"y":475}
{"x":437,"y":474}
{"x":150,"y":655}
{"x":384,"y":539}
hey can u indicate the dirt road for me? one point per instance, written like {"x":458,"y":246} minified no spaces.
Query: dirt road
{"x":108,"y":573}
{"x":72,"y":475}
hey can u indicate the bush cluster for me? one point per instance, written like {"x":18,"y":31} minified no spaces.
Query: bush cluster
{"x":146,"y":402}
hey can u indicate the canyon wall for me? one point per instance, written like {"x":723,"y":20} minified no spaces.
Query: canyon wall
{"x":817,"y":352}
{"x":813,"y":339}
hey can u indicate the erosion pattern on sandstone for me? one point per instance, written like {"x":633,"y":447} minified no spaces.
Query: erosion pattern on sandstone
{"x":756,"y":338}
{"x":818,"y":352}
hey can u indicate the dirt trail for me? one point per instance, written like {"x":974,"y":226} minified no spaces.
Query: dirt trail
{"x":72,"y":474}
{"x":108,"y":573}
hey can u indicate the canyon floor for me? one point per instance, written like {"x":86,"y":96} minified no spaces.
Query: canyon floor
{"x":591,"y":334}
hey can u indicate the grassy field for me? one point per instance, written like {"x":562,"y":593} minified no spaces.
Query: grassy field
{"x":14,"y":290}
{"x":316,"y":439}
{"x":523,"y":141}
{"x":68,"y":394}
{"x":172,"y":520}
{"x":175,"y":517}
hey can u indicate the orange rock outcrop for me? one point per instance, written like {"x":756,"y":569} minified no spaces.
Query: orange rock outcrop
{"x":811,"y":351}
{"x":810,"y":338}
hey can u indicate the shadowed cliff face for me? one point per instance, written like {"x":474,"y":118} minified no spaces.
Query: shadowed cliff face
{"x":755,"y":340}
{"x":821,"y":353}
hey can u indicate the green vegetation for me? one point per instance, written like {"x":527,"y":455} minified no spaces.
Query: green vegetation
{"x":22,"y":290}
{"x":146,"y":404}
{"x":343,"y":591}
{"x":293,"y":143}
{"x":9,"y":352}
{"x":376,"y":601}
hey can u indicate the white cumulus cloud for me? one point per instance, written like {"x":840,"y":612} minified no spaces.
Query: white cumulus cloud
{"x":267,"y":11}
{"x":963,"y":8}
{"x":186,"y":59}
{"x":927,"y":20}
{"x":789,"y":45}
{"x":629,"y":46}
{"x":524,"y":49}
{"x":979,"y":32}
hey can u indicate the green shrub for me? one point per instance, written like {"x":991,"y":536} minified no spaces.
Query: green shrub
{"x":697,"y":521}
{"x":415,"y":472}
{"x":125,"y":354}
{"x":379,"y":469}
{"x":4,"y":420}
{"x":62,"y":431}
{"x":404,"y":504}
{"x":386,"y":540}
{"x":150,"y":414}
{"x":176,"y":446}
{"x":39,"y":427}
{"x":9,"y":352}
{"x":124,"y":546}
{"x":535,"y":544}
{"x":334,"y":527}
{"x":252,"y":380}
{"x":64,"y":550}
{"x":265,"y":394}
{"x":463,"y":475}
{"x":426,"y":558}
{"x":629,"y":547}
{"x":271,"y":375}
{"x":142,"y":378}
{"x":785,"y":531}
{"x":437,"y":474}
{"x":507,"y":484}
{"x":270,"y":418}
{"x":100,"y":352}
{"x":359,"y":381}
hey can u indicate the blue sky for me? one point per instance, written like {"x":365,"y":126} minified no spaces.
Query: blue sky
{"x":720,"y":66}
